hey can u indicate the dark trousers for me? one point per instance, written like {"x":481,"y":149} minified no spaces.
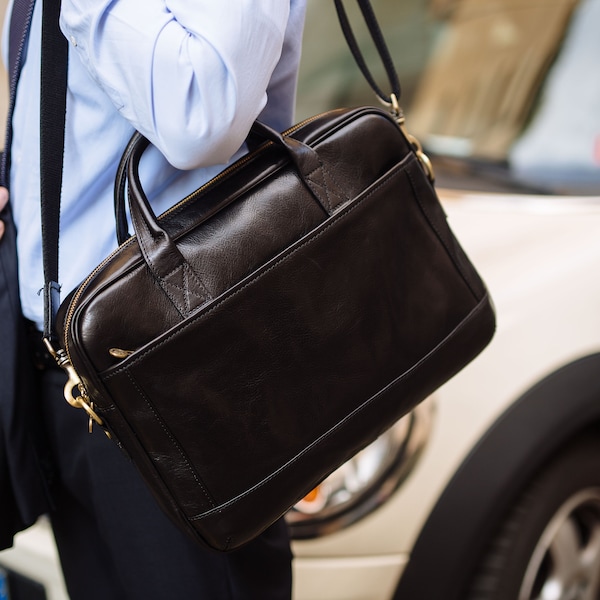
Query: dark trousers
{"x":116,"y":544}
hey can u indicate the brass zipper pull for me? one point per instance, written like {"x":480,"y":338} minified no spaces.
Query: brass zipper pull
{"x":119,"y":353}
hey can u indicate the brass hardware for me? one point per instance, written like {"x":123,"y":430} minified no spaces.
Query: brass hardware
{"x":423,"y":158}
{"x":74,"y":390}
{"x":398,"y":114}
{"x":88,"y":406}
{"x":119,"y":353}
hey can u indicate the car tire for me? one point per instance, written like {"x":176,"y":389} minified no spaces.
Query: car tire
{"x":548,"y":546}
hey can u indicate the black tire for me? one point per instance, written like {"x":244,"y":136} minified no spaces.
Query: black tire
{"x":548,"y":546}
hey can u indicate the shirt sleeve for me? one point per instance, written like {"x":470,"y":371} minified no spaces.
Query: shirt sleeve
{"x":189,"y":75}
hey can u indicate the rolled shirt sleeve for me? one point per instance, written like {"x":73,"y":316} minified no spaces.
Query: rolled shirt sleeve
{"x":190,"y":76}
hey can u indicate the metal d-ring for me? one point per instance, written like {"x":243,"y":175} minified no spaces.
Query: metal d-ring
{"x":79,"y":398}
{"x":398,"y":114}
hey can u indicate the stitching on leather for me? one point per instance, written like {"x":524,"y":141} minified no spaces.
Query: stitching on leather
{"x":185,"y":308}
{"x":323,"y":184}
{"x":331,"y":177}
{"x":181,"y":309}
{"x":395,"y":172}
{"x":171,"y":438}
{"x":185,"y":290}
{"x":327,"y":175}
{"x":192,"y":274}
{"x":177,"y":268}
{"x":165,"y":285}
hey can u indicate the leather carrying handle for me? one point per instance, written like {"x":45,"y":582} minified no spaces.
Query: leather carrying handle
{"x":306,"y":160}
{"x":119,"y":190}
{"x":169,"y":267}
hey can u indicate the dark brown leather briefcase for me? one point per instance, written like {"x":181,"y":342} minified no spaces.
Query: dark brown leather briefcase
{"x":247,"y":342}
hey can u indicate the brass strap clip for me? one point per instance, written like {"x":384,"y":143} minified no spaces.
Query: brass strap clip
{"x":75,"y":393}
{"x":398,"y":114}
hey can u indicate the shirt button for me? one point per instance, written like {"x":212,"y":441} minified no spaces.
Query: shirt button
{"x":73,"y":40}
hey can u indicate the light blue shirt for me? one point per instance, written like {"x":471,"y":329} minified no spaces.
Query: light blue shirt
{"x":191,"y":76}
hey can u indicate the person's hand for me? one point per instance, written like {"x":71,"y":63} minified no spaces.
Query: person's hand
{"x":3,"y":201}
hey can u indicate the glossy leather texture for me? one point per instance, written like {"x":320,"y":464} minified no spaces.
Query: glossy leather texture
{"x":275,"y":321}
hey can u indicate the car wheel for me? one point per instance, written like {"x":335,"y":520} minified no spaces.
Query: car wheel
{"x":548,"y":547}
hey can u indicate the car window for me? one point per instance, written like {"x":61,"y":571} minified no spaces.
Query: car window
{"x":501,"y":93}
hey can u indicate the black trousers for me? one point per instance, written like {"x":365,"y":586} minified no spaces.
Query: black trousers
{"x":116,"y":544}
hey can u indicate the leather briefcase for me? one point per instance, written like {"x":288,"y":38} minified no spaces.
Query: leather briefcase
{"x":263,"y":330}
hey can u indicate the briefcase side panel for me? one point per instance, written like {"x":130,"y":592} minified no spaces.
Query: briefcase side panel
{"x":228,"y":526}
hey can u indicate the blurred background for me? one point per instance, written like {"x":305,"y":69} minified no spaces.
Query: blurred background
{"x":498,"y":89}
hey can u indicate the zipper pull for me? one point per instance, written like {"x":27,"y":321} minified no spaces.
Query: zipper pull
{"x":119,"y":353}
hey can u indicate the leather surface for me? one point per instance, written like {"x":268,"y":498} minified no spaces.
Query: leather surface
{"x":278,"y":321}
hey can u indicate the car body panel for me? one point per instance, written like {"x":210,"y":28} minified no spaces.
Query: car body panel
{"x":364,"y":578}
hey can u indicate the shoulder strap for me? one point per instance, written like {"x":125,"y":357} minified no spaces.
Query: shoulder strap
{"x":52,"y":119}
{"x":53,"y":99}
{"x":382,"y":49}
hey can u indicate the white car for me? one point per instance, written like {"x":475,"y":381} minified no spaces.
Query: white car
{"x":489,"y":490}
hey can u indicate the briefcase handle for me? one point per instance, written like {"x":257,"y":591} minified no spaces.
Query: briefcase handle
{"x":164,"y":259}
{"x":305,"y":159}
{"x":301,"y":157}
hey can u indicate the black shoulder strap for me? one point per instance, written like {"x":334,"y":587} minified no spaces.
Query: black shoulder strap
{"x":53,"y":100}
{"x":53,"y":88}
{"x":382,"y":49}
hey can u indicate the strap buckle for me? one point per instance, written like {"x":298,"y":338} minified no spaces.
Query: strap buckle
{"x":398,"y":114}
{"x":74,"y":391}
